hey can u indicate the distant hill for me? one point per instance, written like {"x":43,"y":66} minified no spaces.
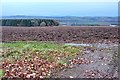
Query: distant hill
{"x":73,"y":20}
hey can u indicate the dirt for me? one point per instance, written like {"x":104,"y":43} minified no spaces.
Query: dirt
{"x":60,"y":34}
{"x":100,"y":59}
{"x":99,"y":64}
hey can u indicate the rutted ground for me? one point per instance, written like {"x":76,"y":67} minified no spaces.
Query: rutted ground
{"x":97,"y":63}
{"x":60,"y":34}
{"x":94,"y":62}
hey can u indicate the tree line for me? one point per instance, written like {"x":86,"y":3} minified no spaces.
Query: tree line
{"x":29,"y":22}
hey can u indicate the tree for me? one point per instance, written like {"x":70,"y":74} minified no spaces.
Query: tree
{"x":23,"y":23}
{"x":29,"y":22}
{"x":34,"y":22}
{"x":42,"y":24}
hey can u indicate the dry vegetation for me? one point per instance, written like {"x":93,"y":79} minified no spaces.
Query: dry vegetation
{"x":38,"y":59}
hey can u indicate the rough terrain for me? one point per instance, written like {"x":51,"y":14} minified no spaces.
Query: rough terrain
{"x":97,"y":63}
{"x":60,"y":34}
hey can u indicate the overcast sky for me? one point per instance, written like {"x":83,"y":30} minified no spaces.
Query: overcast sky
{"x":60,"y":7}
{"x":60,"y":0}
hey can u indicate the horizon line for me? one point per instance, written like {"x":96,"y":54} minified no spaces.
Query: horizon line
{"x":52,"y":16}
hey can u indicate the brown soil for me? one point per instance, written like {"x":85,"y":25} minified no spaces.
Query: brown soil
{"x":99,"y":58}
{"x":60,"y":34}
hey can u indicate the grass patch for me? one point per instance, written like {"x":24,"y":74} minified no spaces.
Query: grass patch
{"x":59,"y":54}
{"x":1,"y":73}
{"x":45,"y":50}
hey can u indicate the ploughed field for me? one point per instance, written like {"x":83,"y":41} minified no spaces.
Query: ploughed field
{"x":59,"y":52}
{"x":60,"y":34}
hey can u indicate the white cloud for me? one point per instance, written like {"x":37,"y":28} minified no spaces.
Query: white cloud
{"x":60,"y":0}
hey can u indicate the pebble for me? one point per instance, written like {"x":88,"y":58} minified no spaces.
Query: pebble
{"x":71,"y":77}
